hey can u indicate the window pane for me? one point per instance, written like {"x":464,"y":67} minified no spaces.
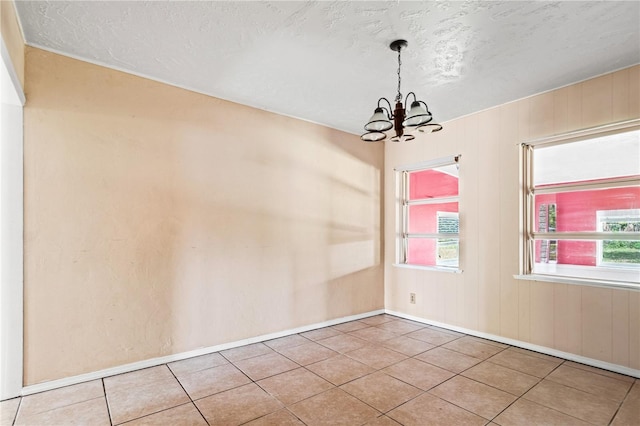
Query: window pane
{"x":433,"y":252}
{"x":447,"y":250}
{"x":433,"y":218}
{"x":610,"y":259}
{"x":615,"y":252}
{"x":579,"y":211}
{"x":567,"y":252}
{"x":620,"y":253}
{"x":434,"y":183}
{"x":448,"y":223}
{"x":599,"y":158}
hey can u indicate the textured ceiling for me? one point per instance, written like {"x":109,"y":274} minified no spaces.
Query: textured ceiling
{"x":329,"y":62}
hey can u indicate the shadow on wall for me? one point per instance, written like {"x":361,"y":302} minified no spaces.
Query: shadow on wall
{"x":158,"y":222}
{"x":290,"y":220}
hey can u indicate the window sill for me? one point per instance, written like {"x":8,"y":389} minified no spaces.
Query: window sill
{"x":429,"y":268}
{"x":579,"y":281}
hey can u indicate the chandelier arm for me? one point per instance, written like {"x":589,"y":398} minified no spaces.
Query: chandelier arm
{"x":389,"y":111}
{"x":406,"y":99}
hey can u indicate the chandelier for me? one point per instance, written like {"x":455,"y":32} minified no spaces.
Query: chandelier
{"x":417,"y":116}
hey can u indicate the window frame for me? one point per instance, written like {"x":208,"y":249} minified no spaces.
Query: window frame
{"x":602,"y":276}
{"x":402,"y":214}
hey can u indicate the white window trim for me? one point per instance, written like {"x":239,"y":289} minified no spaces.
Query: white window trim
{"x":578,"y":281}
{"x":402,"y":219}
{"x":429,"y":268}
{"x":627,"y":278}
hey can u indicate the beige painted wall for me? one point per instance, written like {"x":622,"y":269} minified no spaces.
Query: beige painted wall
{"x":12,"y":37}
{"x":158,"y":220}
{"x":597,"y":323}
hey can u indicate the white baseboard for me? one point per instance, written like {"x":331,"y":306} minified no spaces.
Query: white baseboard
{"x":542,"y":349}
{"x":67,"y":381}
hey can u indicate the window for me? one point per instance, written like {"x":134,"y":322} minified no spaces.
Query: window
{"x":582,"y":206}
{"x":428,"y":225}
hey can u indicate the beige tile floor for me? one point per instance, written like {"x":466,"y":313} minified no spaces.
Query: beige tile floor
{"x":381,"y":370}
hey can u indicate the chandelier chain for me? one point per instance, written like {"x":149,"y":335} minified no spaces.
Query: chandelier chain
{"x":399,"y":95}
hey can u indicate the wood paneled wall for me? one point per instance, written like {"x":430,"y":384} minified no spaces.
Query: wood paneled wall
{"x":599,"y":323}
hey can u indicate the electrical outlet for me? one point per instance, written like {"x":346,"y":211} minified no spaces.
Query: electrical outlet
{"x":412,"y":298}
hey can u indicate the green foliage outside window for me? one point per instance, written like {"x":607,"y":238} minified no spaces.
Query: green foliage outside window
{"x":616,"y":251}
{"x":621,"y":251}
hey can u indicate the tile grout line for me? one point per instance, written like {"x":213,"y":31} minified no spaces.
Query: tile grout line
{"x":551,"y":408}
{"x":154,"y":413}
{"x":60,"y":407}
{"x":188,"y":396}
{"x":599,"y":373}
{"x":222,"y":391}
{"x":456,"y":374}
{"x":519,"y":397}
{"x":284,"y":406}
{"x":334,"y":386}
{"x":454,"y":404}
{"x":561,"y":384}
{"x":585,"y":391}
{"x":546,"y":377}
{"x":493,"y":387}
{"x":249,"y":357}
{"x":15,"y":416}
{"x":622,"y":402}
{"x":268,"y":414}
{"x":106,"y":401}
{"x":149,"y":414}
{"x":422,"y":392}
